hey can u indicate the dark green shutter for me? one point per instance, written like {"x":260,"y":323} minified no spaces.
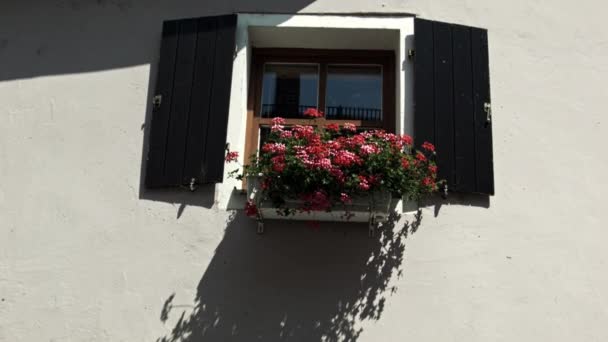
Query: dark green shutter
{"x":191,"y":102}
{"x":452,"y":102}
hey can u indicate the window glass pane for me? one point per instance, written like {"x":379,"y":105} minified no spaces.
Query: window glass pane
{"x":289,"y":89}
{"x":354,"y":92}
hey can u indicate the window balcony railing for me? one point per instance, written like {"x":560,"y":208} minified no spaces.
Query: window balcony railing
{"x":331,"y":112}
{"x":353,"y":113}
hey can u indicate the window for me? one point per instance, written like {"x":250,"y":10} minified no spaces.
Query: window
{"x":444,"y":90}
{"x":355,"y":86}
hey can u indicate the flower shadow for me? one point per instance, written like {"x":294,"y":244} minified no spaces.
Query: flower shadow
{"x":293,"y":283}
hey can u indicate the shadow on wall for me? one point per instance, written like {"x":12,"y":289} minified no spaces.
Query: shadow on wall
{"x":456,"y":198}
{"x":41,"y":38}
{"x":292,"y":283}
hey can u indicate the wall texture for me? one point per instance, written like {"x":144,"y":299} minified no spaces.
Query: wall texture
{"x":87,"y":255}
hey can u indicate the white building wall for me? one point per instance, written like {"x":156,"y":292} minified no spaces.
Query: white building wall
{"x":87,"y":255}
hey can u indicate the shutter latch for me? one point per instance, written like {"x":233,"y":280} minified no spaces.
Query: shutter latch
{"x":487,"y":107}
{"x":410,"y":54}
{"x":192,"y":184}
{"x":156,"y":101}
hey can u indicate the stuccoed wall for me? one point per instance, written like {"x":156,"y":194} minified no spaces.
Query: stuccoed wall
{"x":87,"y":255}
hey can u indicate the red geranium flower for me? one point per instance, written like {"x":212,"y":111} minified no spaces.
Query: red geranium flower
{"x":300,"y":131}
{"x":251,"y":209}
{"x":333,"y":144}
{"x":428,"y":146}
{"x":278,"y":167}
{"x":317,"y":201}
{"x":337,"y":173}
{"x":433,"y":169}
{"x":333,"y":127}
{"x":355,"y":140}
{"x":428,"y":181}
{"x":346,"y":158}
{"x":407,"y":140}
{"x":278,"y":163}
{"x":231,"y":156}
{"x":420,"y":156}
{"x":374,"y":179}
{"x":273,"y":148}
{"x":313,"y":113}
{"x":265,"y":184}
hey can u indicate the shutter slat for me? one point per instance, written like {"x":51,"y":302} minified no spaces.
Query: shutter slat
{"x":199,"y":107}
{"x":424,"y":86}
{"x":464,"y":122}
{"x":155,"y":164}
{"x":483,"y":128}
{"x":452,"y":84}
{"x":180,"y":106}
{"x":444,"y":105}
{"x":220,"y":99}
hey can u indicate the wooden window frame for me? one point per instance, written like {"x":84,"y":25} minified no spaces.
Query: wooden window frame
{"x":321,"y":57}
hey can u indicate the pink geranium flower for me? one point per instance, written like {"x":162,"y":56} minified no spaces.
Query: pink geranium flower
{"x":345,"y":198}
{"x":350,"y":127}
{"x":363,"y":183}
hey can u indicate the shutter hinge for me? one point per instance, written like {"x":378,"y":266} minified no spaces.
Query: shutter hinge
{"x":411,"y":53}
{"x":487,"y":107}
{"x":192,"y":184}
{"x":156,"y":101}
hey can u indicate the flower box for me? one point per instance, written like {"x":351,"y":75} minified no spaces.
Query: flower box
{"x":333,"y":173}
{"x":372,"y":208}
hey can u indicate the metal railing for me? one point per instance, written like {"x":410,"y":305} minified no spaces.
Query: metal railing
{"x":331,"y":112}
{"x":353,"y":113}
{"x":287,"y":111}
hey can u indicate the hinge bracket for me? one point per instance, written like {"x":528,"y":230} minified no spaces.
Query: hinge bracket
{"x":156,"y":101}
{"x":411,"y":53}
{"x":487,"y":107}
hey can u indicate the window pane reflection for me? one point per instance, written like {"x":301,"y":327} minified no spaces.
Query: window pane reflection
{"x":354,"y":92}
{"x":289,"y":89}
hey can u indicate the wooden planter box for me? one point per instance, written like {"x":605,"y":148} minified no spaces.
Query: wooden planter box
{"x":373,"y":208}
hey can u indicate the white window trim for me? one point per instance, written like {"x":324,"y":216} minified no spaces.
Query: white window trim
{"x":225,"y":195}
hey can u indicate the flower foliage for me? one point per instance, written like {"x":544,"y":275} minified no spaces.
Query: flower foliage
{"x":326,"y":166}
